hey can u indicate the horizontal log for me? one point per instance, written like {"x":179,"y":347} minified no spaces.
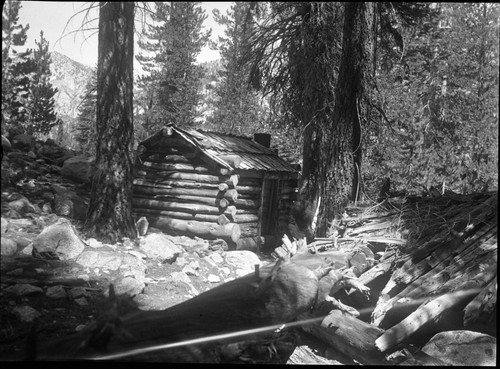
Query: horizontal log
{"x":179,"y":215}
{"x":190,"y":168}
{"x":246,"y":218}
{"x":174,"y":183}
{"x":207,"y":193}
{"x":195,"y":177}
{"x":246,"y":203}
{"x":168,"y":158}
{"x":230,"y":232}
{"x":269,"y":175}
{"x":180,"y":207}
{"x":219,"y":202}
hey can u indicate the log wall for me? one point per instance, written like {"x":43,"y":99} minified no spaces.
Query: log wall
{"x":180,"y":191}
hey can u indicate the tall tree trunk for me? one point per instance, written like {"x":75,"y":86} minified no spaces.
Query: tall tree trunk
{"x":343,"y":177}
{"x":109,"y":215}
{"x":336,"y":178}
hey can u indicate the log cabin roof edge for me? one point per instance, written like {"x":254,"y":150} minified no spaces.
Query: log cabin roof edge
{"x":220,"y":147}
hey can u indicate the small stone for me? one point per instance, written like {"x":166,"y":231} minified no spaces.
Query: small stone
{"x":129,"y":286}
{"x":180,"y":276}
{"x":56,"y":292}
{"x":80,"y":327}
{"x":8,"y":247}
{"x":26,"y":313}
{"x":194,"y":264}
{"x":241,"y":272}
{"x":181,"y":261}
{"x":216,"y":258}
{"x":82,"y":301}
{"x":225,"y":270}
{"x":92,"y":242}
{"x":15,"y":272}
{"x":83,"y":277}
{"x":190,"y":271}
{"x":213,"y":278}
{"x":23,"y":289}
{"x":77,"y":292}
{"x":28,"y":250}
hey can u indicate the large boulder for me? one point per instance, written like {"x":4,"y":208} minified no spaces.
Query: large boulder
{"x":78,"y":168}
{"x":8,"y":247}
{"x":243,"y":260}
{"x":463,"y":348}
{"x":159,"y":246}
{"x":54,"y":153}
{"x":58,"y":241}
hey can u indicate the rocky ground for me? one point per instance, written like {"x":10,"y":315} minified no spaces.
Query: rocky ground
{"x":52,"y":276}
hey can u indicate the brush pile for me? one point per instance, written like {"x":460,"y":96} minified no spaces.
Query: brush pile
{"x":434,"y":270}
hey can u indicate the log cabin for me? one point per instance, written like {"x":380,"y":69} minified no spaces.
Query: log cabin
{"x":214,"y":186}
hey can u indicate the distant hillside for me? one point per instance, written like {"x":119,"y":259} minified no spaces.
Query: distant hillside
{"x":70,"y":78}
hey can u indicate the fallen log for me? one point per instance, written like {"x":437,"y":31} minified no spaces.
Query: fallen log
{"x":484,"y":302}
{"x":199,"y":329}
{"x":349,"y":335}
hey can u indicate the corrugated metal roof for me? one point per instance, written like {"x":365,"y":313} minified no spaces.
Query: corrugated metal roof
{"x":252,"y":156}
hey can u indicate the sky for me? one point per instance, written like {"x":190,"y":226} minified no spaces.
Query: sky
{"x":53,"y":17}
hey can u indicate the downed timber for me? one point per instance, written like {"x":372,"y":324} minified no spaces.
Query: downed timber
{"x":484,"y":302}
{"x":229,"y":232}
{"x":256,"y":304}
{"x":438,"y":280}
{"x":428,"y":275}
{"x":431,"y":309}
{"x":349,"y":335}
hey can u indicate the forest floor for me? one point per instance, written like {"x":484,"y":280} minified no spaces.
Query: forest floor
{"x":42,"y":300}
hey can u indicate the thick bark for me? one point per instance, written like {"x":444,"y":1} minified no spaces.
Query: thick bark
{"x":332,"y":142}
{"x":109,"y":214}
{"x":344,"y":139}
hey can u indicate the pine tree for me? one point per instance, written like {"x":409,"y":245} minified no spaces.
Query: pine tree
{"x":15,"y":68}
{"x":238,"y":107}
{"x":109,"y":214}
{"x":174,"y":79}
{"x":42,"y":115}
{"x":85,"y":130}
